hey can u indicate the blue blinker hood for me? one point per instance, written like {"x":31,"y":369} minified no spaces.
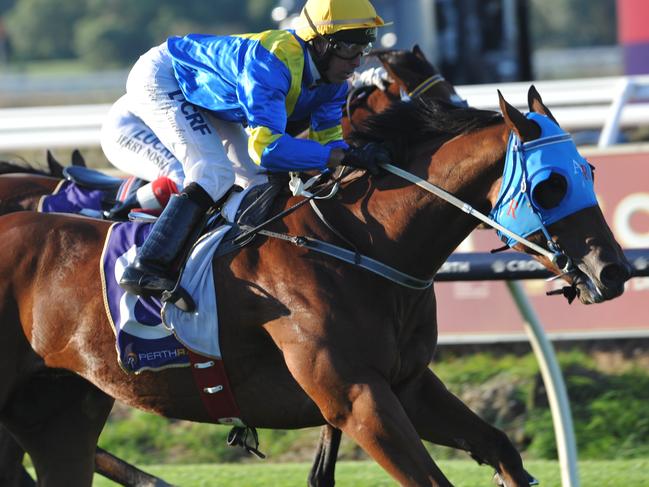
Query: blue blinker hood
{"x":530,"y":163}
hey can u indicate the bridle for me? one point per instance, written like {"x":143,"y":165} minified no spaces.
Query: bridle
{"x":417,"y":92}
{"x":425,"y":85}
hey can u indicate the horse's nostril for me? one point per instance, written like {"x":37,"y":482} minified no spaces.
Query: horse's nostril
{"x":614,"y":274}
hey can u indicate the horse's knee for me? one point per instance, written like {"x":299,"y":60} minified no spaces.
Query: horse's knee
{"x":338,"y":411}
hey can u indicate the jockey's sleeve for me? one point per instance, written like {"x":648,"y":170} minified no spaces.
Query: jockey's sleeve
{"x":268,"y":89}
{"x":325,"y":120}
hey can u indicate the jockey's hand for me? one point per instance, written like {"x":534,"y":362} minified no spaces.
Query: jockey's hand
{"x":367,"y":157}
{"x":121,"y":209}
{"x":378,"y":77}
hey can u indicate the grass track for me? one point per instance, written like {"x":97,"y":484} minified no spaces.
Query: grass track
{"x":617,"y":473}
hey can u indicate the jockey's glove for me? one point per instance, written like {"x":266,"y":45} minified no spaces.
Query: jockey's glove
{"x":378,"y":77}
{"x":367,"y":157}
{"x":122,"y":208}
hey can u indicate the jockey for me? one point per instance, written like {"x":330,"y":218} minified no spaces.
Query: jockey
{"x":190,"y":98}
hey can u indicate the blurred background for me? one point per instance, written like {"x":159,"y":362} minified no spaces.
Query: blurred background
{"x":591,"y":59}
{"x":55,"y":51}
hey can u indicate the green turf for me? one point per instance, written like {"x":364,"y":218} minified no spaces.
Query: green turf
{"x":618,"y":473}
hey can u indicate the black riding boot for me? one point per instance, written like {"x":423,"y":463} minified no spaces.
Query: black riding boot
{"x":150,"y":273}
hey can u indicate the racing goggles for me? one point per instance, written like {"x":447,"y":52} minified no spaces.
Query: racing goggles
{"x":349,"y":50}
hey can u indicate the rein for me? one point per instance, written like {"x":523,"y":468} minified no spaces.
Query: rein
{"x":465,"y":207}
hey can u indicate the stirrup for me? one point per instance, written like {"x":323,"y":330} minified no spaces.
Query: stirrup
{"x":180,"y":298}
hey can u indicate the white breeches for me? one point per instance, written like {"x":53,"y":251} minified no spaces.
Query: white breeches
{"x":153,"y":131}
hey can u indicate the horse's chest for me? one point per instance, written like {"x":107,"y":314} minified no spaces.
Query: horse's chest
{"x":414,"y":353}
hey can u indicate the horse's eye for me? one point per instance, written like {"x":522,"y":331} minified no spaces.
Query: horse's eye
{"x":549,"y":193}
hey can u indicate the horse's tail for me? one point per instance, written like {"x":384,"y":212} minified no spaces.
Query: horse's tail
{"x":14,"y":345}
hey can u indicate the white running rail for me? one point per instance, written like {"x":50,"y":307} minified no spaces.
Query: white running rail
{"x":605,"y":104}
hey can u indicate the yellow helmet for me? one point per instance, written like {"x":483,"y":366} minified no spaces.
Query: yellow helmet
{"x":331,"y":16}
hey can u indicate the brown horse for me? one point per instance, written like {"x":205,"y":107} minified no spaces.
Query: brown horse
{"x":305,"y":338}
{"x":412,"y":74}
{"x":23,"y":188}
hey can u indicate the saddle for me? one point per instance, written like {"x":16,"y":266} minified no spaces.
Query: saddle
{"x":90,"y":178}
{"x":114,"y":190}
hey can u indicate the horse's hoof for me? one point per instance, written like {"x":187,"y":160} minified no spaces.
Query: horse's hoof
{"x":498,"y":480}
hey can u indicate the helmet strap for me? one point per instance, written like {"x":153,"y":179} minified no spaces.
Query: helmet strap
{"x":321,"y":58}
{"x":314,"y":28}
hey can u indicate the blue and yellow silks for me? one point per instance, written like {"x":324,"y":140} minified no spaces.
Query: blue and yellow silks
{"x":263,"y":80}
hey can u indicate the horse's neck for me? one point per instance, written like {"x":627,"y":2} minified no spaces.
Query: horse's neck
{"x":413,"y":230}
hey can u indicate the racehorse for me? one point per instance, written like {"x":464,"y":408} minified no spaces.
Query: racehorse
{"x":412,"y":75}
{"x":305,"y":338}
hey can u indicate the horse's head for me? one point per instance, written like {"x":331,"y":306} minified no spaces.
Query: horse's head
{"x":415,"y":76}
{"x":547,"y":196}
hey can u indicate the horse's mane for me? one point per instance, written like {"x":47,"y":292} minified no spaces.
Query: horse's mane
{"x":11,"y":167}
{"x":408,"y":123}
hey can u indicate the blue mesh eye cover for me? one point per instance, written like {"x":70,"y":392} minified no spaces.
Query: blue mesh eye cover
{"x":553,"y":151}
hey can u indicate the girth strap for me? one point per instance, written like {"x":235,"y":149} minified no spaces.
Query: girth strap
{"x":216,"y":395}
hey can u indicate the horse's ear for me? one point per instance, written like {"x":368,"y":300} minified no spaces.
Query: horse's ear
{"x":416,"y":50}
{"x":77,"y":158}
{"x":525,"y":129}
{"x":55,"y":168}
{"x":536,"y":104}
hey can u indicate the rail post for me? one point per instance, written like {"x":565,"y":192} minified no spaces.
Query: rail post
{"x":554,"y":385}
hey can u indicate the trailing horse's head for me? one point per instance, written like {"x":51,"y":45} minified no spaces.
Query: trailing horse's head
{"x":547,"y":196}
{"x":415,"y":76}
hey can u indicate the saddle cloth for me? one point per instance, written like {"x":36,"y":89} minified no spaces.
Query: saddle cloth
{"x":68,"y":197}
{"x":152,"y":337}
{"x":72,"y":197}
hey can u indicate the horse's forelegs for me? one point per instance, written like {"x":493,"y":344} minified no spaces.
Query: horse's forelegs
{"x":323,"y":471}
{"x":441,"y":418}
{"x":371,"y":414}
